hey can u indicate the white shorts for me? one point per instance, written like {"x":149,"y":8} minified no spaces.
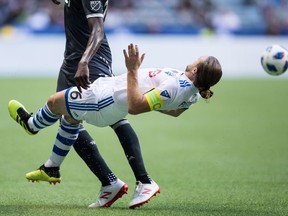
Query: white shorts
{"x":95,"y":106}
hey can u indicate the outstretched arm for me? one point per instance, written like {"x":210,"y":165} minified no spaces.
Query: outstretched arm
{"x":174,"y":113}
{"x":137,"y":103}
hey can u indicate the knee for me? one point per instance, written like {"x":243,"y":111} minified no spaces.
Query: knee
{"x":119,"y":123}
{"x":52,"y":104}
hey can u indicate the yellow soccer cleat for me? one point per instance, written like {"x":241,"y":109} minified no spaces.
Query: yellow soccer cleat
{"x":48,"y":174}
{"x":20,"y":115}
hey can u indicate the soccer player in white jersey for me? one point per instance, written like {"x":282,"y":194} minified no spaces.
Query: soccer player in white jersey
{"x":167,"y":90}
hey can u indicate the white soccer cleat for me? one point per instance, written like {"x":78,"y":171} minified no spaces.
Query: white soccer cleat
{"x":109,"y":194}
{"x":143,"y":193}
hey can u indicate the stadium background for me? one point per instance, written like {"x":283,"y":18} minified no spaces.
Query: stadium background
{"x":171,"y":32}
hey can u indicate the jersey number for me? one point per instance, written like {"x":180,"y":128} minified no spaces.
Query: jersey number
{"x":75,"y":94}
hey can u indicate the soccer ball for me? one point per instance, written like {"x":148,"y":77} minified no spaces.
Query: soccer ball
{"x":275,"y":60}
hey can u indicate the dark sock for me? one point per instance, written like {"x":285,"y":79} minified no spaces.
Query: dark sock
{"x":131,"y":147}
{"x":86,"y":148}
{"x":144,"y":179}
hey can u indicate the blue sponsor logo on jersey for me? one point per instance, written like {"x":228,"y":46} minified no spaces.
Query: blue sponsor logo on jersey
{"x":171,"y":73}
{"x":165,"y":94}
{"x":184,"y":83}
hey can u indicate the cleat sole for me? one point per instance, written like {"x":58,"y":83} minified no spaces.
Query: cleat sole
{"x":40,"y":175}
{"x":54,"y":182}
{"x":142,"y":203}
{"x":122,"y":191}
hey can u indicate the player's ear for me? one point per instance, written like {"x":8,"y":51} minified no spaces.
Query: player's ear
{"x":194,"y":70}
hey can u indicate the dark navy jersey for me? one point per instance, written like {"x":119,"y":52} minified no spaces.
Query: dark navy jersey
{"x":77,"y":13}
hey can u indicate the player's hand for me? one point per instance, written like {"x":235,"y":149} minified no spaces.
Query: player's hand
{"x":133,"y":60}
{"x":56,"y":2}
{"x":82,"y":76}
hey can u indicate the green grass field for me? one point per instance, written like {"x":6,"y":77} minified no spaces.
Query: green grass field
{"x":225,"y":157}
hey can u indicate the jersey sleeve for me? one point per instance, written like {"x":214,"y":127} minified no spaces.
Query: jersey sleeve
{"x":94,"y":8}
{"x":167,"y":92}
{"x":194,"y":99}
{"x":173,"y":98}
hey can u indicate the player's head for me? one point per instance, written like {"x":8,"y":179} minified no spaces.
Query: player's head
{"x":208,"y":72}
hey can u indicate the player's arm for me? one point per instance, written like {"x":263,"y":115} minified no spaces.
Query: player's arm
{"x":174,"y":113}
{"x":96,"y":25}
{"x":137,"y":103}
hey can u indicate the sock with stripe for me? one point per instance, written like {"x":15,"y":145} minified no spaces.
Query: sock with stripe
{"x":65,"y":139}
{"x":42,"y":119}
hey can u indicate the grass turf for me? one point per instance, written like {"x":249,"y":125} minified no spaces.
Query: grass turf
{"x":225,"y":157}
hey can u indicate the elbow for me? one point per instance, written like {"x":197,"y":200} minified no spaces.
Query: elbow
{"x":132,"y":111}
{"x":136,"y":107}
{"x":176,"y":114}
{"x":173,"y":115}
{"x":100,"y":38}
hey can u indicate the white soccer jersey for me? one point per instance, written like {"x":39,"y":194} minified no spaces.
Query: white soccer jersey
{"x":105,"y":102}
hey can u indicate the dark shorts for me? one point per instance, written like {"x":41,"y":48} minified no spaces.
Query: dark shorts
{"x":68,"y":70}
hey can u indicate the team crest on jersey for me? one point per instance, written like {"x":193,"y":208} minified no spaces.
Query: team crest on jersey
{"x":95,"y":5}
{"x":165,"y":94}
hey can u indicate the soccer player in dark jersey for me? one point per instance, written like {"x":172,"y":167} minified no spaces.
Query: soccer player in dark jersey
{"x":87,"y":57}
